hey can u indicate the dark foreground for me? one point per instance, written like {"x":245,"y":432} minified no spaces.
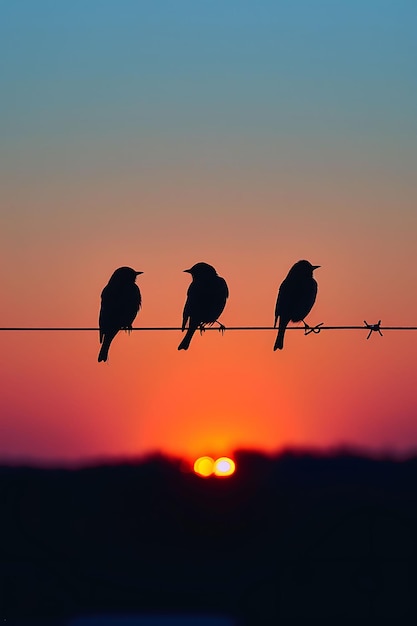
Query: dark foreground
{"x":295,"y":539}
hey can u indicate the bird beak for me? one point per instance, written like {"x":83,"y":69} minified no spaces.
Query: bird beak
{"x":189,"y":271}
{"x":137,"y":273}
{"x":315,"y":267}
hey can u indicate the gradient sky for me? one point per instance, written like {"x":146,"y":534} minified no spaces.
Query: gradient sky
{"x":245,"y":134}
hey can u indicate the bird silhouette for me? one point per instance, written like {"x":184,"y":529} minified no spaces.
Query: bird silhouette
{"x":206,"y":299}
{"x":120,"y":303}
{"x":296,"y":297}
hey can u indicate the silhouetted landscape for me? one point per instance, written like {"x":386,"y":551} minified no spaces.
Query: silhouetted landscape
{"x":296,"y":538}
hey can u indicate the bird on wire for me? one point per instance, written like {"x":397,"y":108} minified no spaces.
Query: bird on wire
{"x":120,"y":302}
{"x":296,"y":297}
{"x":206,"y":299}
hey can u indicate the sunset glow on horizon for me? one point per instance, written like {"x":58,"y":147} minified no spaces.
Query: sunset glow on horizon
{"x":130,"y":139}
{"x":206,"y":466}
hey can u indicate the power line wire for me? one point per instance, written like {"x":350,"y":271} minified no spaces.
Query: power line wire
{"x":315,"y":329}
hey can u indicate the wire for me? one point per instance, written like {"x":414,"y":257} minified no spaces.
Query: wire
{"x":316,"y":329}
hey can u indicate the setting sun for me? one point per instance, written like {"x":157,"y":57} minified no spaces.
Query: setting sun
{"x":204,"y":466}
{"x":224,"y":466}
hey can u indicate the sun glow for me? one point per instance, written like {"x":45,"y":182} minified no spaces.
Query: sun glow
{"x":206,"y":466}
{"x":224,"y":466}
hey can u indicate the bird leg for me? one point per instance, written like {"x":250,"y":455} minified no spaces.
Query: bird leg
{"x":204,"y":324}
{"x":221,"y":327}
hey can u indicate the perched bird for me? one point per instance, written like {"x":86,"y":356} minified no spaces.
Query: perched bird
{"x":120,"y":302}
{"x":206,"y":299}
{"x":296,"y":297}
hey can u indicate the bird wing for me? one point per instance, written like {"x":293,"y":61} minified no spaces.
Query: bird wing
{"x":276,"y":311}
{"x":280,"y":300}
{"x":302,"y":300}
{"x":102,"y":319}
{"x":223,"y":292}
{"x":310,"y":297}
{"x":213,"y":299}
{"x":223,"y":288}
{"x":119,"y":307}
{"x":188,"y":306}
{"x":133,"y":303}
{"x":205,"y":302}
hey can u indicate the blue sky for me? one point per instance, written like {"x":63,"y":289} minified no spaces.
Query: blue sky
{"x":213,"y":67}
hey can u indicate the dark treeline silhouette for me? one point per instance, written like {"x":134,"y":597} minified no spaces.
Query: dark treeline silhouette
{"x":292,"y":539}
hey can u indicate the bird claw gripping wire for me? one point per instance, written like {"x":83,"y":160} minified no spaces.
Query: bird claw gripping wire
{"x":202,"y":327}
{"x":373,"y":328}
{"x":312,"y":329}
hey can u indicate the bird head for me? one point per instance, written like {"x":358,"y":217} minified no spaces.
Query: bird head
{"x":202,"y":270}
{"x":125,"y":275}
{"x":303,"y":268}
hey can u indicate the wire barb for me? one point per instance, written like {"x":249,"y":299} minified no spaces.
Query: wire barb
{"x":373,"y":328}
{"x":312,"y":329}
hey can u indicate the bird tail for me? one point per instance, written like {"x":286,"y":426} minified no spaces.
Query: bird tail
{"x":279,"y":342}
{"x":184,"y":345}
{"x":104,"y":350}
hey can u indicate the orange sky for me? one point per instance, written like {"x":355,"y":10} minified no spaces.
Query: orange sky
{"x":225,"y":392}
{"x":155,"y":155}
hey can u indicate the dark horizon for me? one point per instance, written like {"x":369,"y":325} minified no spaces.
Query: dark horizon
{"x":291,"y":538}
{"x":341,"y":450}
